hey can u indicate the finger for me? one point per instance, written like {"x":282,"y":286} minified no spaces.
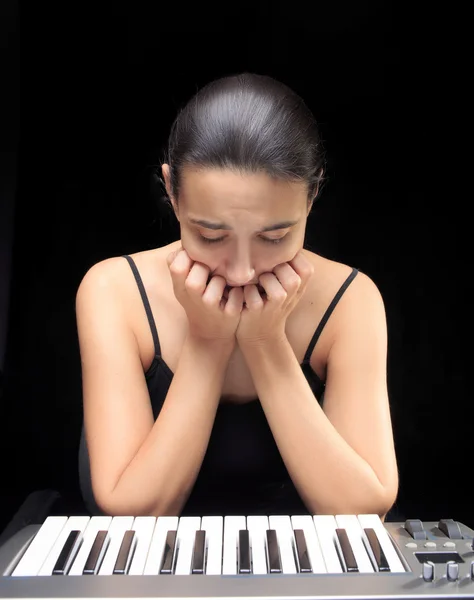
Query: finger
{"x":235,"y":301}
{"x":214,"y":290}
{"x":252,"y":297}
{"x":179,"y":269}
{"x":273,"y":287}
{"x":288,"y":278}
{"x":301,"y":265}
{"x":172,"y":255}
{"x":196,"y":281}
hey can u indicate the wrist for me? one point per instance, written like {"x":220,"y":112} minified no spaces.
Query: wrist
{"x":213,"y":346}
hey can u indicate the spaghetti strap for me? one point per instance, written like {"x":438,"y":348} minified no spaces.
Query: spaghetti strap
{"x":146,"y":303}
{"x":327,"y":314}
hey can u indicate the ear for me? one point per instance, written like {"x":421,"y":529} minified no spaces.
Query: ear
{"x":165,"y":169}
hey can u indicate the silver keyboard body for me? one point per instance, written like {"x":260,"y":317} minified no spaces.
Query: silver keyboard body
{"x":409,"y":584}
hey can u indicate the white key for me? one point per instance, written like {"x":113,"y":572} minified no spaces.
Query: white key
{"x":355,"y":534}
{"x":95,"y":524}
{"x":79,"y":523}
{"x":286,"y":541}
{"x":374,"y":522}
{"x":187,"y":528}
{"x":325,"y":526}
{"x":40,"y":546}
{"x":257,"y":526}
{"x":155,"y":554}
{"x":213,"y":526}
{"x":232,"y":525}
{"x":117,"y":530}
{"x":143,"y":527}
{"x":306,"y":523}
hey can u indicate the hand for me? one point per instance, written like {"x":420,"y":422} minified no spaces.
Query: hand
{"x":264,"y":319}
{"x":210,"y":316}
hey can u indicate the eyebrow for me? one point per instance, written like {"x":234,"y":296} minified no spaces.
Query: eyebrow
{"x":210,"y":225}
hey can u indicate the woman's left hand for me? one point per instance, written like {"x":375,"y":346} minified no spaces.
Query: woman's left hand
{"x":263,"y":319}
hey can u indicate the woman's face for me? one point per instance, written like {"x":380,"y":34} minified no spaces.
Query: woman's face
{"x":239,"y":226}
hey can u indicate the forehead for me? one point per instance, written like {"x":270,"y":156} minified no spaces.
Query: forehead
{"x":211,"y":187}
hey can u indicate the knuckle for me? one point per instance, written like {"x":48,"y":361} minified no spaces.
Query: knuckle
{"x":192,"y":285}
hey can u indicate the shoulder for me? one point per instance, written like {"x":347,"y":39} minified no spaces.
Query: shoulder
{"x":360,"y":305}
{"x":330,"y":275}
{"x":115,"y":273}
{"x":110,"y":283}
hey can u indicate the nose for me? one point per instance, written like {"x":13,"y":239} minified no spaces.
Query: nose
{"x":239,"y":271}
{"x":240,"y":280}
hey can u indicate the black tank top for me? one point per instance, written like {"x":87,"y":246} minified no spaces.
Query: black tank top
{"x":242,"y":471}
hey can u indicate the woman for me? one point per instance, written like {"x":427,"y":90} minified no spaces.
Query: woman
{"x":234,"y":371}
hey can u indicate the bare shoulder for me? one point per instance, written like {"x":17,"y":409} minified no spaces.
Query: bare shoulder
{"x":113,"y":276}
{"x":360,"y":303}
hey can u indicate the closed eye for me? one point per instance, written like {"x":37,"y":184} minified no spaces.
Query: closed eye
{"x":264,"y":239}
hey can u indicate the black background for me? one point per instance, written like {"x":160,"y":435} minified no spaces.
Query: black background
{"x":101,"y":87}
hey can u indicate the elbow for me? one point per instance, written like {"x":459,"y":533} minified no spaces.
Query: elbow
{"x":377,"y":503}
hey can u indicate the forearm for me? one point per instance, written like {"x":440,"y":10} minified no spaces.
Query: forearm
{"x":329,"y":475}
{"x":161,"y":475}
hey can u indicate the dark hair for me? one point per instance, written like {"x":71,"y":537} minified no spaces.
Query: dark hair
{"x":247,"y":123}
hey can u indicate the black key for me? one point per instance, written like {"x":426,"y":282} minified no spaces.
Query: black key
{"x":273,"y":552}
{"x":125,"y":555}
{"x":168,"y":553}
{"x":197,"y":565}
{"x":244,"y":552}
{"x":380,"y":558}
{"x":67,"y":553}
{"x":97,"y":553}
{"x":347,"y":553}
{"x":302,"y":552}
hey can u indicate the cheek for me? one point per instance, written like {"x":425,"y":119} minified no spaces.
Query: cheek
{"x":197,"y":253}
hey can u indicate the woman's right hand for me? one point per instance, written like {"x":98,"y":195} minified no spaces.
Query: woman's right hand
{"x":211,"y":317}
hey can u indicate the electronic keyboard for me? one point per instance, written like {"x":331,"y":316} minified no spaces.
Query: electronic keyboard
{"x":259,"y":557}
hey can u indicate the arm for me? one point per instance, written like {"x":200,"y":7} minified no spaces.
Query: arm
{"x":140,"y":466}
{"x":340,"y":458}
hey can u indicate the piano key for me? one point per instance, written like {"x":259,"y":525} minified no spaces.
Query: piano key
{"x":232,"y":525}
{"x":117,"y":530}
{"x":157,"y":546}
{"x":257,"y":527}
{"x":68,"y":553}
{"x":304,"y":565}
{"x":97,"y":553}
{"x":40,"y":547}
{"x":78,"y":523}
{"x":374,"y":522}
{"x":95,"y":525}
{"x":286,"y":542}
{"x":143,"y":527}
{"x":378,"y":553}
{"x":273,"y":552}
{"x":306,"y":523}
{"x":124,"y":557}
{"x":325,"y":526}
{"x":355,"y":533}
{"x":213,"y":526}
{"x":197,"y":565}
{"x":187,"y":528}
{"x":167,"y":563}
{"x":347,"y":554}
{"x":244,"y":552}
